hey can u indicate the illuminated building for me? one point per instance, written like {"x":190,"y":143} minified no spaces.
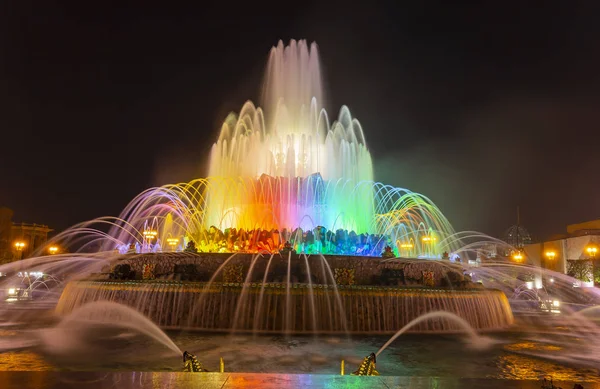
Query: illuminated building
{"x":29,"y":236}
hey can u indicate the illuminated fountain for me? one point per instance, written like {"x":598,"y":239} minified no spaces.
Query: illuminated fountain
{"x":285,"y":188}
{"x":285,"y":174}
{"x":286,"y":235}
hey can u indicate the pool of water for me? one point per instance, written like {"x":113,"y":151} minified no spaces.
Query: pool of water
{"x":27,"y":344}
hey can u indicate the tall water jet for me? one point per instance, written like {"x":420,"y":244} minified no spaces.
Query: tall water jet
{"x":283,"y":174}
{"x":286,"y":182}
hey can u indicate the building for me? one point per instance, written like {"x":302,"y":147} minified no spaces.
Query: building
{"x":19,"y":240}
{"x":560,"y":253}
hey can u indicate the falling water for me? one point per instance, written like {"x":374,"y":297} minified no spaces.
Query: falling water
{"x":282,"y":166}
{"x":258,"y":310}
{"x":359,"y":310}
{"x":476,"y":340}
{"x":103,"y":313}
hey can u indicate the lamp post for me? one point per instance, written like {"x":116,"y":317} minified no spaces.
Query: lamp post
{"x":20,"y":245}
{"x":173,"y":243}
{"x":53,"y":250}
{"x":428,"y":240}
{"x":518,"y":256}
{"x":550,"y":255}
{"x":592,"y":250}
{"x":149,"y":235}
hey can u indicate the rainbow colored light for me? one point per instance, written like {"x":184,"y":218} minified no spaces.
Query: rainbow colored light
{"x":285,"y":178}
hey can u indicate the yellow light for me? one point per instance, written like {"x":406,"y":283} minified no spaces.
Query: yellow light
{"x":19,"y":245}
{"x":518,"y":256}
{"x":172,"y":241}
{"x":551,"y":254}
{"x":12,"y":291}
{"x":406,"y":245}
{"x":150,"y":234}
{"x":592,"y":250}
{"x":53,"y":249}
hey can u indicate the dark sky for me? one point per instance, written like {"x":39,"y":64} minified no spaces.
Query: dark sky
{"x":481,"y":108}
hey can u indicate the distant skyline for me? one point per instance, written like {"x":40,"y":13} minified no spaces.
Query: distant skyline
{"x":481,"y":108}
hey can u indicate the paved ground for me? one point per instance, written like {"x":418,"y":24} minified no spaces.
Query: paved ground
{"x":148,"y":380}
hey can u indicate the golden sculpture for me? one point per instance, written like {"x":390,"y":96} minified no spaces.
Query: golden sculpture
{"x":191,"y":363}
{"x":367,"y":367}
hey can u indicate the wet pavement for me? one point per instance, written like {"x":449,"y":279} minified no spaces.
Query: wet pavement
{"x":164,"y":380}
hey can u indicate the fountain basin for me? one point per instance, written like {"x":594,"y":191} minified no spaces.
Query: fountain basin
{"x":293,"y":308}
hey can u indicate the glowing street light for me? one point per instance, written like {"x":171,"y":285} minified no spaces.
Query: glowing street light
{"x":53,"y":250}
{"x":150,"y":234}
{"x":592,"y":250}
{"x":20,"y":245}
{"x":172,"y":242}
{"x":550,"y":254}
{"x":518,"y":256}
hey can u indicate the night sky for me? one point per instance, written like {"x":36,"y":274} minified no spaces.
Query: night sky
{"x":481,"y":108}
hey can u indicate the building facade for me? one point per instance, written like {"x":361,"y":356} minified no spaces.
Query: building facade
{"x":580,"y":245}
{"x":20,"y":240}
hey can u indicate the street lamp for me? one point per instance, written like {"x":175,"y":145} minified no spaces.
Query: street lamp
{"x":592,"y":250}
{"x":551,"y":254}
{"x":518,"y":256}
{"x":172,"y":242}
{"x":53,"y":250}
{"x":150,"y":234}
{"x":20,"y":245}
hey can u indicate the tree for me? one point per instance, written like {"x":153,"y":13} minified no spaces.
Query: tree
{"x":580,"y":269}
{"x":191,"y":247}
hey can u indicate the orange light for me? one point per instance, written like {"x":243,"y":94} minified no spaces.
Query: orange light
{"x":551,"y":254}
{"x":53,"y":249}
{"x":150,"y":234}
{"x":518,"y":256}
{"x":591,"y":250}
{"x":19,"y":245}
{"x":172,"y":241}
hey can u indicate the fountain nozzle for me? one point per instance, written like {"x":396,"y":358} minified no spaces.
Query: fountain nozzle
{"x":367,"y":367}
{"x":191,"y":363}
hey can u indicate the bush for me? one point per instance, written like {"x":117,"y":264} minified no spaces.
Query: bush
{"x":453,"y":278}
{"x":122,"y":272}
{"x":186,"y":272}
{"x":391,"y":277}
{"x":580,"y":269}
{"x":597,"y":274}
{"x":191,"y":247}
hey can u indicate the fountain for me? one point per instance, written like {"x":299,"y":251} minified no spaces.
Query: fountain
{"x":288,"y":235}
{"x":282,"y":176}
